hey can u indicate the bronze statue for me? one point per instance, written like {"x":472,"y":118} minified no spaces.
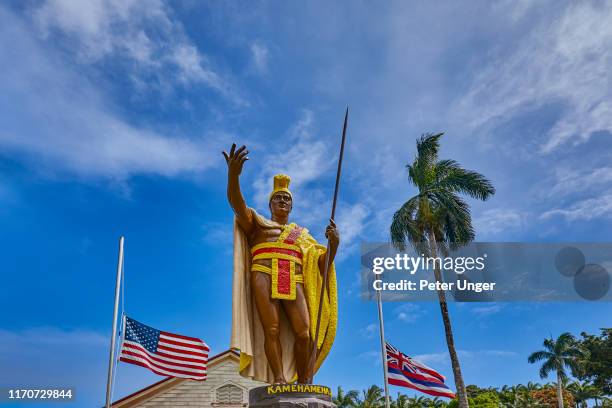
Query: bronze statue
{"x":278,"y":268}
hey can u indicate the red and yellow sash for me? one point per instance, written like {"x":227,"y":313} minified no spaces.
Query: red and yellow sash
{"x":285,"y":254}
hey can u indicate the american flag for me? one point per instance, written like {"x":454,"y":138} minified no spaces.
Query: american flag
{"x":164,"y":353}
{"x":403,"y":371}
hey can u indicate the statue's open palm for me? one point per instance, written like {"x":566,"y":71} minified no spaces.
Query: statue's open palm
{"x":236,"y":158}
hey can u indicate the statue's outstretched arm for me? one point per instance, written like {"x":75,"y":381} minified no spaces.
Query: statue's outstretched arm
{"x":235,"y":160}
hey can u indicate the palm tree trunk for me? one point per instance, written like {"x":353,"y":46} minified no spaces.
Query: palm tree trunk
{"x":448,"y":330}
{"x":559,"y":391}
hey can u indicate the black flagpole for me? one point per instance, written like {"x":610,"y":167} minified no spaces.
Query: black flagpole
{"x":313,"y":355}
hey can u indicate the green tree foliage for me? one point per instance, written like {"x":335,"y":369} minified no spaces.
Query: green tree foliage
{"x":548,"y":397}
{"x":562,"y":356}
{"x":346,"y":400}
{"x":596,"y":364}
{"x":372,"y":398}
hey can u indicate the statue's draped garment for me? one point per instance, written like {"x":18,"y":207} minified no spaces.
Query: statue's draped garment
{"x":247,"y":331}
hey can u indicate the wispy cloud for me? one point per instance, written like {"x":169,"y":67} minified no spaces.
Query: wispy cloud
{"x":259,"y":55}
{"x":372,"y":356}
{"x":307,"y":161}
{"x":438,"y":358}
{"x":145,"y":33}
{"x":218,"y":234}
{"x":484,"y":311}
{"x":571,"y":181}
{"x":409,"y":312}
{"x":59,"y":120}
{"x":498,"y":220}
{"x":584,"y":210}
{"x":369,"y":331}
{"x":565,"y":61}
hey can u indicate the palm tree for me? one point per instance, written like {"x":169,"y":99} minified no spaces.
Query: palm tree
{"x":346,"y":400}
{"x":372,"y":398}
{"x":437,"y":218}
{"x":582,"y":392}
{"x":402,"y":401}
{"x":420,"y":401}
{"x":557,"y":356}
{"x":436,"y":403}
{"x":531,"y":386}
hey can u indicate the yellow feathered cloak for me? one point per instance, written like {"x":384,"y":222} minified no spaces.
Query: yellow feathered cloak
{"x":247,"y":332}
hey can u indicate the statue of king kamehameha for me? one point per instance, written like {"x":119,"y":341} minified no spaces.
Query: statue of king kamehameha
{"x":277,"y":284}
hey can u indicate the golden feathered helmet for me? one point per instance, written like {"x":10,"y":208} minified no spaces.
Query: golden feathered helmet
{"x":281,"y":183}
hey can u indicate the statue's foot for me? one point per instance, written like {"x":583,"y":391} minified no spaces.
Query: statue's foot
{"x":279,"y":381}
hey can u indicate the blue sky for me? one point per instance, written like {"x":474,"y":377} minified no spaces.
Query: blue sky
{"x":113,"y":115}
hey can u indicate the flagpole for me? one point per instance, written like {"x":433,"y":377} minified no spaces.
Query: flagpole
{"x":383,"y":346}
{"x":111,"y":359}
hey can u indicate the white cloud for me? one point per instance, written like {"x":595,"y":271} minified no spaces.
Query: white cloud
{"x":584,"y":210}
{"x":483,"y":311}
{"x":143,"y":32}
{"x":408,"y":312}
{"x":438,"y":358}
{"x":564,"y":61}
{"x":370,"y":331}
{"x":571,"y":180}
{"x":351,"y":221}
{"x":432,"y":358}
{"x":60,"y":121}
{"x":260,"y":55}
{"x":498,"y":220}
{"x":372,"y":356}
{"x":307,"y":161}
{"x":218,"y":234}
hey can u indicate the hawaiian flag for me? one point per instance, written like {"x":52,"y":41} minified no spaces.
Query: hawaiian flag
{"x":164,"y":353}
{"x":403,"y":371}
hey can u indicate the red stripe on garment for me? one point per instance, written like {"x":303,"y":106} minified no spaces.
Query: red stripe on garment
{"x":284,"y":251}
{"x":284,"y":277}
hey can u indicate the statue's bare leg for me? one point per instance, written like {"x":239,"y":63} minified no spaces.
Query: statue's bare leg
{"x":268,"y":310}
{"x":297,"y":313}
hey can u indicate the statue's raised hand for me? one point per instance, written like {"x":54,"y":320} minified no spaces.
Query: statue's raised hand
{"x":235,"y":159}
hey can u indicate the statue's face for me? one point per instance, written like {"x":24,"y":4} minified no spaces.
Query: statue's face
{"x":281,"y":204}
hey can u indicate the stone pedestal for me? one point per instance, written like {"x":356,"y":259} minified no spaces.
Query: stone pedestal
{"x":291,"y":396}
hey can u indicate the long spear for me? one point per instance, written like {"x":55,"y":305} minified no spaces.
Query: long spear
{"x":313,"y":355}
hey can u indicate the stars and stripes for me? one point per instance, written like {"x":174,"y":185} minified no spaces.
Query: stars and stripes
{"x":164,"y":353}
{"x":403,"y":371}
